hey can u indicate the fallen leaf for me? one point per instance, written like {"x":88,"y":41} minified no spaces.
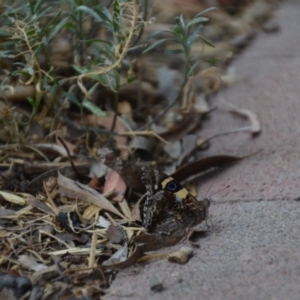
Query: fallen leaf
{"x":40,"y":205}
{"x":76,"y":190}
{"x":255,"y":127}
{"x":114,"y":183}
{"x":12,"y":198}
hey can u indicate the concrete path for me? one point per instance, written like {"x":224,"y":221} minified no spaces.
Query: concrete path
{"x":253,"y":249}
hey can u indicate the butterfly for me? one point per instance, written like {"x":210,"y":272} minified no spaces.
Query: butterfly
{"x":169,"y":208}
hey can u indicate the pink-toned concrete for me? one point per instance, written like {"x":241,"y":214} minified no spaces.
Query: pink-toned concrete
{"x":253,"y":249}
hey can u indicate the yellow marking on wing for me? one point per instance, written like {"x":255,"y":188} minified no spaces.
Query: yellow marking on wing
{"x":182,"y":193}
{"x":166,"y":181}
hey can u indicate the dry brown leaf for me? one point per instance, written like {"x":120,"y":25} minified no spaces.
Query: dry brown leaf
{"x":204,"y":164}
{"x":136,"y":212}
{"x":76,"y":190}
{"x":12,"y":198}
{"x":114,"y":183}
{"x":40,"y":205}
{"x":125,"y":209}
{"x":255,"y":127}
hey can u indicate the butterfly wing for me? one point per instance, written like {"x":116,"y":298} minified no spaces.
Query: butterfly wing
{"x":169,"y":207}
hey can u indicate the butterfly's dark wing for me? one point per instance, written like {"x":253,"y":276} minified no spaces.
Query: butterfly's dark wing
{"x":169,"y":207}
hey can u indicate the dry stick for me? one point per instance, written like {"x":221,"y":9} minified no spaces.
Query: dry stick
{"x":83,"y":128}
{"x":80,"y":176}
{"x":144,"y":18}
{"x":129,"y":133}
{"x":163,"y":112}
{"x":242,"y":129}
{"x":93,"y":251}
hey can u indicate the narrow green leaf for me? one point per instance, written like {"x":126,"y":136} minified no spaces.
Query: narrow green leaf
{"x":191,"y":70}
{"x":72,"y":98}
{"x":174,"y":51}
{"x":182,"y":21}
{"x":178,"y":31}
{"x":90,"y":41}
{"x":101,"y":79}
{"x":207,"y":42}
{"x":93,"y":108}
{"x":90,"y":12}
{"x":155,"y":33}
{"x":153,"y":45}
{"x":191,"y":39}
{"x":52,"y":21}
{"x":5,"y":33}
{"x":196,"y":20}
{"x":212,"y":61}
{"x":6,"y":54}
{"x":81,"y":70}
{"x":57,"y":29}
{"x":105,"y":13}
{"x":205,"y":11}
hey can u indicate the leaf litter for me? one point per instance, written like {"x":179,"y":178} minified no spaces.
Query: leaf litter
{"x":70,"y":175}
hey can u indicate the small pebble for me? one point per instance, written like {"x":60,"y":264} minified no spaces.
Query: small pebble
{"x":155,"y":284}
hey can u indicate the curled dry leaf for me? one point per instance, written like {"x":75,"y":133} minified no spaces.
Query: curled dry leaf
{"x":76,"y":190}
{"x":255,"y":127}
{"x":182,"y":256}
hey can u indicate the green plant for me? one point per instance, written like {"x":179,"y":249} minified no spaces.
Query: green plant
{"x":30,"y":30}
{"x":182,"y":34}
